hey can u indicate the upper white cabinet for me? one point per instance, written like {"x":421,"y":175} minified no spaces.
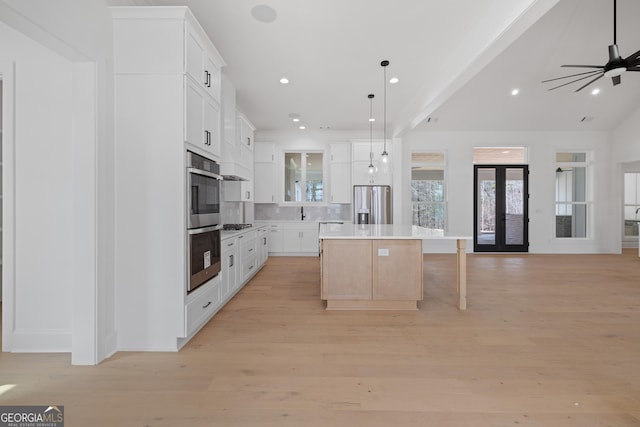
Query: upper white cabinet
{"x":169,"y":41}
{"x":202,"y":63}
{"x":237,"y":162}
{"x":340,"y":173}
{"x":265,"y":173}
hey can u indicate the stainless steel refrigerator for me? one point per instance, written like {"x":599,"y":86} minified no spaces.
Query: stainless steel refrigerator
{"x":372,"y":204}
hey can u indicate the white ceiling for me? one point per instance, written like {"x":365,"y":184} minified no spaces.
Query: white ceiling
{"x":457,"y":61}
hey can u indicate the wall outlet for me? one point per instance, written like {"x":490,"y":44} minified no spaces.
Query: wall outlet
{"x":383,"y":252}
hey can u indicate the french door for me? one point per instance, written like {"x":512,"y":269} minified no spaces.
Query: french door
{"x":501,"y":220}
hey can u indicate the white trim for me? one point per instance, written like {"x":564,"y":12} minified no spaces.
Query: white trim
{"x":84,"y":349}
{"x":7,"y":74}
{"x":41,"y":341}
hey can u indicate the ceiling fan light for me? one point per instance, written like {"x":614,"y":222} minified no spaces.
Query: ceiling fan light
{"x":615,"y":71}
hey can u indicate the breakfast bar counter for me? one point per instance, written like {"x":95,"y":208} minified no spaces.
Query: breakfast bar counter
{"x":379,"y":266}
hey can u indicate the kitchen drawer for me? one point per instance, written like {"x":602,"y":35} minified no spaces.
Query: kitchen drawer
{"x":249,"y":267}
{"x":248,"y":247}
{"x":202,"y":307}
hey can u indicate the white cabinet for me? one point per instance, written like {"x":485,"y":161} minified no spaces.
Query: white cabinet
{"x":264,"y":152}
{"x":238,"y":191}
{"x":248,"y":255}
{"x":360,"y":166}
{"x":229,"y":267}
{"x":201,"y":307}
{"x":265,"y":173}
{"x":263,"y":245}
{"x":244,"y":132}
{"x":340,"y":173}
{"x":202,"y":63}
{"x":202,"y":119}
{"x":276,"y":238}
{"x":300,"y":238}
{"x":237,"y":157}
{"x":161,"y":108}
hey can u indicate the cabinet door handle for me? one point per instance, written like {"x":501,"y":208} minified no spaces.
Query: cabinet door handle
{"x":207,"y":80}
{"x":248,"y":141}
{"x":231,"y":261}
{"x":248,"y":195}
{"x":251,"y":250}
{"x":207,"y":305}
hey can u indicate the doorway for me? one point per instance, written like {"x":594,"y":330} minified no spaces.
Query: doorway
{"x":500,"y":212}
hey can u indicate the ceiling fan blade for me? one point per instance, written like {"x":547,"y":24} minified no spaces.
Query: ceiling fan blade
{"x":634,"y":57}
{"x":583,"y":66}
{"x":582,"y":87}
{"x":577,"y":80}
{"x":636,"y":68}
{"x":615,"y":80}
{"x":593,"y":73}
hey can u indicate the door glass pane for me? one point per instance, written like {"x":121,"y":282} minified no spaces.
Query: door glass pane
{"x":486,"y":206}
{"x":514,"y":206}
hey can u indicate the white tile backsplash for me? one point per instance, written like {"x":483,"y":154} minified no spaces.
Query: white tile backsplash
{"x":273,"y":212}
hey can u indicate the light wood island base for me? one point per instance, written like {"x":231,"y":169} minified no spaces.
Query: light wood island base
{"x":371,"y":274}
{"x":379,"y":266}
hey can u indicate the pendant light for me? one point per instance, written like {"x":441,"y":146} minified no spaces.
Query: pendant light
{"x":371,"y":120}
{"x":385,"y":155}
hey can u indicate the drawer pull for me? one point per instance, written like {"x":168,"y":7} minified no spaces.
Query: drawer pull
{"x":207,"y":305}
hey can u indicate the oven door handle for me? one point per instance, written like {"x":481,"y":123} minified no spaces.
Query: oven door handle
{"x":204,"y":229}
{"x":204,"y":173}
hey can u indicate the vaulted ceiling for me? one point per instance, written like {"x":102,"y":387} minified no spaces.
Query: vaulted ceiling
{"x":457,"y":61}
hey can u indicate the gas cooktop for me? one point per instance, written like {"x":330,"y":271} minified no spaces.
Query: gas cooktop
{"x":235,"y":226}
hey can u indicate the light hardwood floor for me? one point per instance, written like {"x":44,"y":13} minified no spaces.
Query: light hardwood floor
{"x":547,"y":340}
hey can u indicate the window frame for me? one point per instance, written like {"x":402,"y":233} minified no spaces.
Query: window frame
{"x":283,"y":169}
{"x":437,"y":166}
{"x":587,"y":164}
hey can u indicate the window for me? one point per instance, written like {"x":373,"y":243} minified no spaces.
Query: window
{"x":428,"y":189}
{"x":572,"y":176}
{"x":499,"y":155}
{"x":631,"y":204}
{"x":303,"y":176}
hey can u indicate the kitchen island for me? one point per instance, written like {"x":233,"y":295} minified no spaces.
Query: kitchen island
{"x":379,"y":266}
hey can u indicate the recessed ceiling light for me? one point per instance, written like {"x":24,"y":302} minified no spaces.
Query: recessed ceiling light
{"x":372,"y":119}
{"x":394,"y":80}
{"x":295,"y":119}
{"x":595,"y":91}
{"x":264,"y":13}
{"x":284,"y":80}
{"x":302,"y":127}
{"x":514,"y":92}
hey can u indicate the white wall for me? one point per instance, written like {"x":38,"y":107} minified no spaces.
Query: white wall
{"x":604,"y":225}
{"x":64,"y":131}
{"x":44,"y":194}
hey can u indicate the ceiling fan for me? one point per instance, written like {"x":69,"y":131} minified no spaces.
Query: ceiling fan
{"x":614,"y":68}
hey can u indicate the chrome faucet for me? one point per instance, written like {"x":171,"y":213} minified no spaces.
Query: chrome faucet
{"x":302,"y":215}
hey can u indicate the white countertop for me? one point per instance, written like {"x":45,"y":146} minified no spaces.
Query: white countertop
{"x":384,"y":231}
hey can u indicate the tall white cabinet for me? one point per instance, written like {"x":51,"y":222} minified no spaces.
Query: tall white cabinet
{"x":167,"y":100}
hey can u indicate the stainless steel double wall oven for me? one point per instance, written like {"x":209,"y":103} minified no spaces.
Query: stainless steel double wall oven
{"x":203,"y":219}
